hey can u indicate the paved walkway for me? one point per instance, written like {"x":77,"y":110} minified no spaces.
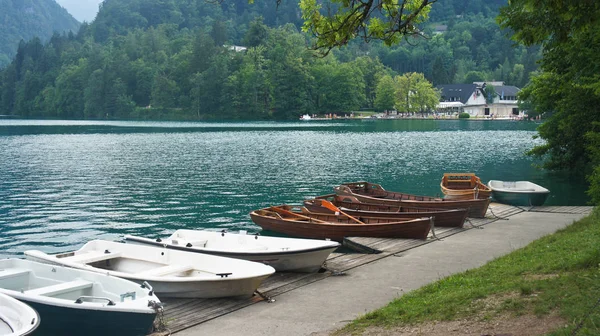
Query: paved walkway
{"x":331,"y":303}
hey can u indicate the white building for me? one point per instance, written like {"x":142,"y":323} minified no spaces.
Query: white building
{"x":471,"y":98}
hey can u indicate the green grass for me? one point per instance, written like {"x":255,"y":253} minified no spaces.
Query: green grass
{"x":558,"y":273}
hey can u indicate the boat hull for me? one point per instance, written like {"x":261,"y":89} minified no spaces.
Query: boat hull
{"x":305,"y":261}
{"x":74,"y":302}
{"x":476,"y":207}
{"x":520,"y":193}
{"x":441,"y":217}
{"x":520,"y":199}
{"x":208,"y":289}
{"x":415,"y":229}
{"x":57,"y":320}
{"x":171,"y":273}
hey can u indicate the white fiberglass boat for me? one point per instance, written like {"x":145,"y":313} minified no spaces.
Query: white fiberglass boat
{"x":170,"y":272}
{"x":75,"y":302}
{"x":16,"y":317}
{"x":522,"y":193}
{"x":283,"y":254}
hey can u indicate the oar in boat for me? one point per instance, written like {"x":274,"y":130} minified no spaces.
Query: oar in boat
{"x":290,"y":213}
{"x":333,"y":208}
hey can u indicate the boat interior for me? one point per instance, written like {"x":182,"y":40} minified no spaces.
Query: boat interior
{"x":114,"y":261}
{"x":28,"y":282}
{"x":5,"y":326}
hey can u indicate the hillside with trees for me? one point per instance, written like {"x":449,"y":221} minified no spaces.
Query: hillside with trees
{"x":197,"y":60}
{"x":28,"y":19}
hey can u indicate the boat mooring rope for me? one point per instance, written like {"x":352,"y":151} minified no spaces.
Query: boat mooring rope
{"x":159,"y":323}
{"x":264,"y":297}
{"x":473,"y":225}
{"x":496,"y":216}
{"x":433,"y":229}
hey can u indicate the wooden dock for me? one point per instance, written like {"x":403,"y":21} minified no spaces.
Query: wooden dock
{"x":180,"y":314}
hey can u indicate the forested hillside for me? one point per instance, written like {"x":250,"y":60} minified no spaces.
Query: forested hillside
{"x":26,"y":19}
{"x":175,"y":59}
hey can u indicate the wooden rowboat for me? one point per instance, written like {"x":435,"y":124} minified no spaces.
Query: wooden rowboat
{"x":285,"y":220}
{"x":373,"y":193}
{"x":464,"y":186}
{"x":354,"y":207}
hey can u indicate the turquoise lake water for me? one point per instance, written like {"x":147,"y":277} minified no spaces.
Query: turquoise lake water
{"x":63,"y":183}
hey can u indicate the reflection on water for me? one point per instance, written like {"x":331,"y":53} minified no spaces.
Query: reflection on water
{"x":65,"y":182}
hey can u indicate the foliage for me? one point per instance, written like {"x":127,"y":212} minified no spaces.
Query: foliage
{"x":568,"y":88}
{"x":386,"y":20}
{"x":415,"y":94}
{"x":385,"y":97}
{"x":490,"y":94}
{"x":464,"y":115}
{"x":558,"y":272}
{"x":176,"y":59}
{"x":26,"y":19}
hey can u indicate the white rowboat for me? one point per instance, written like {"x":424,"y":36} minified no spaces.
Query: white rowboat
{"x":171,"y":273}
{"x":16,"y":317}
{"x":75,"y":302}
{"x":522,"y":193}
{"x":283,"y":254}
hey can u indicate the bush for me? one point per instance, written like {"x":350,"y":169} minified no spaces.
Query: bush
{"x":464,"y":115}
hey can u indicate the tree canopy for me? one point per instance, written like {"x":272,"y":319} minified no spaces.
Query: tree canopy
{"x":189,"y":59}
{"x":568,"y":88}
{"x":343,"y":20}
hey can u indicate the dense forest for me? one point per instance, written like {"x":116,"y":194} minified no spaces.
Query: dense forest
{"x":26,"y":19}
{"x":183,"y":59}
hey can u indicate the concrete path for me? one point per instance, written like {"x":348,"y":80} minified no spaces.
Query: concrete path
{"x":329,"y":304}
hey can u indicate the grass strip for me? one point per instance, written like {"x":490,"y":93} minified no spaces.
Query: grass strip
{"x":558,"y":273}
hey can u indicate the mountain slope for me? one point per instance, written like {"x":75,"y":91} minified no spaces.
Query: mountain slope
{"x":26,"y":19}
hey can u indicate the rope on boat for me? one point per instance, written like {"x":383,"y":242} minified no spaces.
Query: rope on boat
{"x":159,"y":324}
{"x":473,"y":225}
{"x":264,"y":297}
{"x":431,"y":221}
{"x":496,"y":216}
{"x":332,"y":271}
{"x":580,"y":324}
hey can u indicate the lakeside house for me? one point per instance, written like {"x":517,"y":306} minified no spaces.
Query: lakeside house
{"x":471,"y":98}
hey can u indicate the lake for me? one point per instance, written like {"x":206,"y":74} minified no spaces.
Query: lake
{"x":63,"y":183}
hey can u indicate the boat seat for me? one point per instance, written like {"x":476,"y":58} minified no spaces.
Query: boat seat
{"x":60,"y":288}
{"x":12,"y":272}
{"x":91,"y":257}
{"x":166,"y":270}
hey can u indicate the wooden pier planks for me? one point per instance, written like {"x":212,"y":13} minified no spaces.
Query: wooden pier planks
{"x":180,"y":314}
{"x":584,"y":210}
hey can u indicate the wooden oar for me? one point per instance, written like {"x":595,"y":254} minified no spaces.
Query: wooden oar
{"x":333,"y":208}
{"x":290,"y":213}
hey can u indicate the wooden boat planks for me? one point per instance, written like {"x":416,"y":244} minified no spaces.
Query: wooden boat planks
{"x":354,"y":207}
{"x":373,"y":193}
{"x":336,"y":227}
{"x":464,"y":186}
